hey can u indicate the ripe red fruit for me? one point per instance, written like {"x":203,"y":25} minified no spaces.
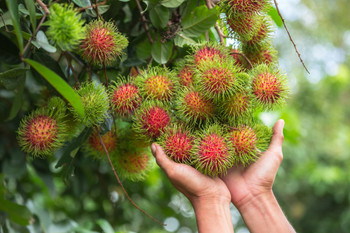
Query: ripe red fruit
{"x":125,"y":98}
{"x":237,"y":57}
{"x":207,"y":53}
{"x":186,"y":76}
{"x":213,"y":152}
{"x":177,"y":143}
{"x":151,"y":119}
{"x":247,"y":6}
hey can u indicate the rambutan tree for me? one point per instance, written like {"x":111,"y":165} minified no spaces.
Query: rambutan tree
{"x":90,"y":84}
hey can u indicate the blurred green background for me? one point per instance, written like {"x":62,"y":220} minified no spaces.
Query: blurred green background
{"x":312,"y":185}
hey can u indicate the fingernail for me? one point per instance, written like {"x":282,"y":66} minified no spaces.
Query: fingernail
{"x":282,"y":125}
{"x":154,"y":148}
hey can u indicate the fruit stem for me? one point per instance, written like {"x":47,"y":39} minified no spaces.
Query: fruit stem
{"x":104,"y":65}
{"x":121,"y":185}
{"x":290,"y":37}
{"x":245,"y":57}
{"x":143,"y":19}
{"x":217,"y":28}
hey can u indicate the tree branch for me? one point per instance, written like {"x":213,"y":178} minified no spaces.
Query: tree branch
{"x":121,"y":185}
{"x":217,"y":28}
{"x":143,"y":19}
{"x":245,"y":57}
{"x":93,"y":5}
{"x":290,"y":37}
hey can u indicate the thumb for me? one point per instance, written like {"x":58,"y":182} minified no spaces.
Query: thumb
{"x":277,"y":138}
{"x":161,"y":158}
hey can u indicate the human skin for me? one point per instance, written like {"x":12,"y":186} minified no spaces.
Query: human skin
{"x":209,"y":197}
{"x":251,"y":189}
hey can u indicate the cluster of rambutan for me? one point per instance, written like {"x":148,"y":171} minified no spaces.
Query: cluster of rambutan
{"x":251,"y":26}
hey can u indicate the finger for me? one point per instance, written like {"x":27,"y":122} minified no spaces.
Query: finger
{"x":161,"y":158}
{"x":277,"y":137}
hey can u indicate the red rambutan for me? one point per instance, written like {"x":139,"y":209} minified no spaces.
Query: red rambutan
{"x":185,"y":76}
{"x":207,"y":52}
{"x":212,"y":151}
{"x":236,"y":108}
{"x":177,"y":143}
{"x":246,"y":6}
{"x":93,"y":144}
{"x":151,"y":119}
{"x":125,"y":98}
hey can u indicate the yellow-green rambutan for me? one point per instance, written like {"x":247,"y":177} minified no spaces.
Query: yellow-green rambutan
{"x":102,"y":43}
{"x":95,"y":102}
{"x":193,"y":107}
{"x":94,"y":147}
{"x":249,"y":142}
{"x":157,"y":84}
{"x":42,"y":132}
{"x":65,"y":26}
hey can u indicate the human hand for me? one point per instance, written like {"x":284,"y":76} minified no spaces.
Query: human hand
{"x":209,"y":197}
{"x":246,"y":183}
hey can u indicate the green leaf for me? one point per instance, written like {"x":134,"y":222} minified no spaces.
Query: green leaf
{"x":105,"y":225}
{"x":13,"y":8}
{"x":144,"y":49}
{"x":181,"y":40}
{"x":159,"y":16}
{"x":198,"y":21}
{"x":172,"y":3}
{"x":17,"y":213}
{"x":42,"y":41}
{"x":9,"y":79}
{"x":161,"y":52}
{"x":7,"y":19}
{"x":60,"y":85}
{"x":82,"y":3}
{"x":275,"y":16}
{"x":32,"y":12}
{"x":101,"y":10}
{"x":18,"y":102}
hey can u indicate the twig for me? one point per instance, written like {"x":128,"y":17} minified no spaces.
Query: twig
{"x":96,"y":9}
{"x":245,"y":57}
{"x":90,"y":66}
{"x":93,"y":6}
{"x":143,"y":19}
{"x":104,"y":65}
{"x":290,"y":37}
{"x":217,"y":28}
{"x":121,"y":185}
{"x":46,"y":12}
{"x":3,"y":21}
{"x":70,"y":67}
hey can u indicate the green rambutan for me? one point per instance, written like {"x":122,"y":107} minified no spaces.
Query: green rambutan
{"x":157,"y":84}
{"x":249,"y":142}
{"x":65,"y":26}
{"x":177,"y":142}
{"x":151,"y":119}
{"x":93,"y":144}
{"x":132,"y":165}
{"x":212,"y":152}
{"x":192,"y":107}
{"x":236,"y":108}
{"x":269,"y":87}
{"x":102,"y":43}
{"x":95,"y":102}
{"x":218,"y":78}
{"x":42,"y":132}
{"x":125,"y":97}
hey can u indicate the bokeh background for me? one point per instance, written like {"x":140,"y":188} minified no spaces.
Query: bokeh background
{"x":312,"y":185}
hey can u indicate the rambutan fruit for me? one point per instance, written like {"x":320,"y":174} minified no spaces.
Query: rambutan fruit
{"x":65,"y":26}
{"x":242,"y":26}
{"x":124,"y":97}
{"x":206,"y":52}
{"x":151,"y":119}
{"x":192,"y":107}
{"x":262,"y":54}
{"x":133,"y":166}
{"x":218,"y":78}
{"x":237,"y":56}
{"x":249,"y":142}
{"x":245,"y":6}
{"x":185,"y":74}
{"x":157,"y":84}
{"x":41,"y":132}
{"x":177,"y":142}
{"x":57,"y":105}
{"x":93,"y":144}
{"x":95,"y":102}
{"x":212,"y":151}
{"x":269,"y":87}
{"x":102,"y":43}
{"x":237,"y":107}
